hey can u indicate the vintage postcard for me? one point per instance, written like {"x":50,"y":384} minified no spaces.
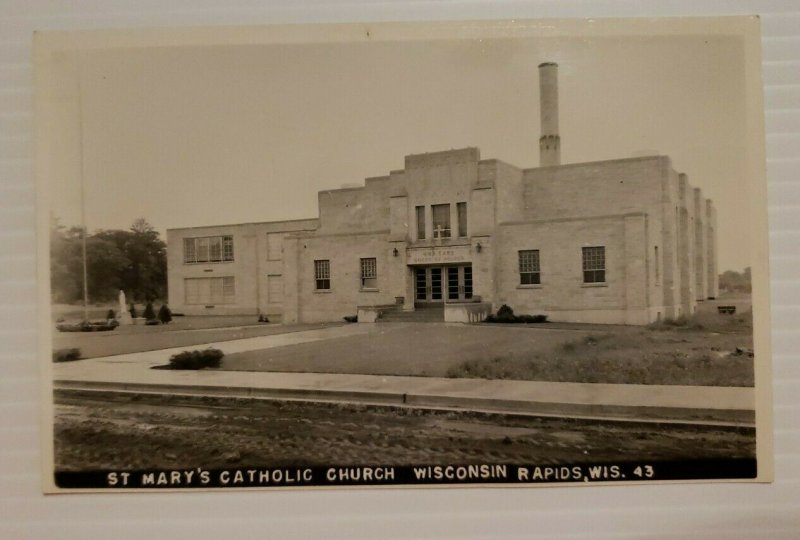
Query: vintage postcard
{"x":518,"y":253}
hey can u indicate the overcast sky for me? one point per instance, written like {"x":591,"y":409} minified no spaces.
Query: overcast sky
{"x":189,"y":136}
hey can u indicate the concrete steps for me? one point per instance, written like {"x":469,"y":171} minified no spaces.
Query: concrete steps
{"x":419,"y":315}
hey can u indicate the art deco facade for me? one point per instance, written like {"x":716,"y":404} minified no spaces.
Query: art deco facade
{"x":626,"y":241}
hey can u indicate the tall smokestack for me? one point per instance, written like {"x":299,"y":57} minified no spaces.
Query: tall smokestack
{"x":549,"y":142}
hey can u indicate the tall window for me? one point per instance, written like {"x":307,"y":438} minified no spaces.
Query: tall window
{"x":657,"y":265}
{"x":209,"y":291}
{"x":462,"y":219}
{"x":369,"y":273}
{"x":441,"y":220}
{"x":420,"y":222}
{"x":594,"y":264}
{"x":208,"y":249}
{"x":322,"y":275}
{"x":529,"y":273}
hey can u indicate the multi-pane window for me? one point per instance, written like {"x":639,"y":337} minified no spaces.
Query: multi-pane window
{"x":529,"y":273}
{"x":322,"y":275}
{"x":369,"y":273}
{"x":420,"y":222}
{"x":594,"y":264}
{"x":208,"y":249}
{"x":441,"y":220}
{"x":462,"y":219}
{"x":210,"y":291}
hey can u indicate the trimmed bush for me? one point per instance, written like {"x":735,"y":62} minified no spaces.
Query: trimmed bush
{"x":133,"y":311}
{"x":149,"y":312}
{"x":351,"y":318}
{"x":164,"y":314}
{"x":66,"y":355}
{"x":506,"y":315}
{"x":263,"y":318}
{"x":110,"y":314}
{"x":200,"y":359}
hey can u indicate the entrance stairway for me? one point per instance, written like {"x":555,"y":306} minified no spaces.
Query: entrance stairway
{"x":433,"y":313}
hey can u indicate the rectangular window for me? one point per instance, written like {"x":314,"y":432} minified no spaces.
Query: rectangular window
{"x":441,"y":220}
{"x":529,"y":273}
{"x":594,"y":264}
{"x":462,"y":219}
{"x":208,"y":249}
{"x":657,"y":265}
{"x":201,"y":246}
{"x":322,"y":275}
{"x":420,"y":222}
{"x":189,"y":253}
{"x":369,"y":273}
{"x":210,"y":291}
{"x":227,"y":248}
{"x":215,"y":249}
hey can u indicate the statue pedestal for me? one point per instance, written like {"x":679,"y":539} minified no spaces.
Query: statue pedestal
{"x":124,"y":318}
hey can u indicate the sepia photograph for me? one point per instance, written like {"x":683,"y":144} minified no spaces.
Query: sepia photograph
{"x":516,"y":253}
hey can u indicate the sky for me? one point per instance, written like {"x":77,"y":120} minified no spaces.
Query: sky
{"x":206,"y":135}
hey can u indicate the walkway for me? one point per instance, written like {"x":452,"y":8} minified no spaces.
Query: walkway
{"x":662,"y":403}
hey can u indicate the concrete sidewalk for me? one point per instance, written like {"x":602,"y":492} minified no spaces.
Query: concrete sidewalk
{"x":662,"y":403}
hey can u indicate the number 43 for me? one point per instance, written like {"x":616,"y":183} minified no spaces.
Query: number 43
{"x":644,"y":472}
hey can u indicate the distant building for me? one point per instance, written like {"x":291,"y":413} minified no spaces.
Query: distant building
{"x":625,"y":241}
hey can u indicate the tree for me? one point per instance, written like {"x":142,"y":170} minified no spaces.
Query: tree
{"x":732,"y":281}
{"x":149,"y":314}
{"x":164,"y":314}
{"x":134,"y":260}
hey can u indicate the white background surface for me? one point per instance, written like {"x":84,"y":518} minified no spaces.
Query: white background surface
{"x":647,"y":511}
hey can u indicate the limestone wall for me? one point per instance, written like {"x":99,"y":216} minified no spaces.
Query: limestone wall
{"x":304,"y":303}
{"x":563,"y":295}
{"x":250,"y":268}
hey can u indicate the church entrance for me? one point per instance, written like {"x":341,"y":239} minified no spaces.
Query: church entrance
{"x":439,"y":284}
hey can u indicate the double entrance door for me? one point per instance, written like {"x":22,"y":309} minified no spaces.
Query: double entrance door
{"x":435,"y":284}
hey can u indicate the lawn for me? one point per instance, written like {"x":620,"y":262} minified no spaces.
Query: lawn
{"x":700,"y":351}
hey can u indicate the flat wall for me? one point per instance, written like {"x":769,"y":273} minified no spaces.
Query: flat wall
{"x":304,"y":303}
{"x":257,"y":250}
{"x":562,"y":294}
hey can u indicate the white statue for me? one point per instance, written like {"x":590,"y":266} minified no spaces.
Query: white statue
{"x":124,"y":316}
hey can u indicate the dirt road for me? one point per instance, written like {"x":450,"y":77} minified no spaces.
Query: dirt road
{"x":113,"y":431}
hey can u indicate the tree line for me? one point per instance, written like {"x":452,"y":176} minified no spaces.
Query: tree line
{"x":134,"y":260}
{"x":732,"y":281}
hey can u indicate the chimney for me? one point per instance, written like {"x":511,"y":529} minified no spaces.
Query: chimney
{"x":549,"y":142}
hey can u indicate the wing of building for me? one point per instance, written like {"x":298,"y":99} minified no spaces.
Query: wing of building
{"x":626,"y":241}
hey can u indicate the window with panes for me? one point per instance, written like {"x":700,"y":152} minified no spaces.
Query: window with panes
{"x":322,"y":275}
{"x":529,"y":272}
{"x":594,"y":264}
{"x":369,"y":273}
{"x":208,"y":249}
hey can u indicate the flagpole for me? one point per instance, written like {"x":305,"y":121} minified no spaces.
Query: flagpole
{"x":83,"y":203}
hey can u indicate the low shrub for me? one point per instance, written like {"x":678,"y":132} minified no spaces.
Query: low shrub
{"x":351,"y":318}
{"x":164,"y":314}
{"x":110,"y":314}
{"x":152,"y":322}
{"x":263,"y":318}
{"x":66,"y":355}
{"x":506,"y":315}
{"x":133,"y":311}
{"x":199,"y":359}
{"x":149,"y":312}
